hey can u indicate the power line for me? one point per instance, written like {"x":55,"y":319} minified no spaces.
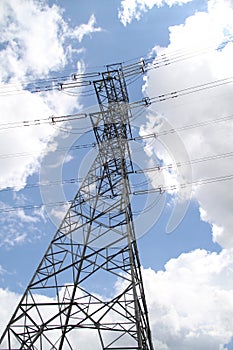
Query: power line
{"x":52,"y":120}
{"x":191,"y":90}
{"x":40,"y":121}
{"x":160,"y":189}
{"x":137,"y":138}
{"x":156,"y":99}
{"x":48,"y":183}
{"x":140,"y":171}
{"x":184,"y":128}
{"x":48,"y":84}
{"x":167,"y":58}
{"x":34,"y":206}
{"x":81,"y":80}
{"x":188,"y":162}
{"x":26,"y":154}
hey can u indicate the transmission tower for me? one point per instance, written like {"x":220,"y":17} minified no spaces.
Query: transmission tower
{"x":95,"y":242}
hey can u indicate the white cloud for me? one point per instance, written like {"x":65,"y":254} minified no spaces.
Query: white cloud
{"x":131,"y":9}
{"x":34,"y":36}
{"x":18,"y":226}
{"x":85,"y":29}
{"x":190,"y":302}
{"x":202,"y":30}
{"x":35,"y":40}
{"x":8,"y":301}
{"x":2,"y":270}
{"x":59,"y":212}
{"x":32,"y":33}
{"x":26,"y":218}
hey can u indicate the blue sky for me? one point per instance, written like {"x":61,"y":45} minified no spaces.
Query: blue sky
{"x":193,"y":262}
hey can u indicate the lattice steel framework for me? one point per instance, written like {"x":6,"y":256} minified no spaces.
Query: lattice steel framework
{"x":95,"y":243}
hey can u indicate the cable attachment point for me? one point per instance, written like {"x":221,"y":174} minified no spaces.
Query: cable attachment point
{"x":147,"y":101}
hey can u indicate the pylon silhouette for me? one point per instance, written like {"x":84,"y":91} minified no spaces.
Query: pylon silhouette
{"x":95,"y":243}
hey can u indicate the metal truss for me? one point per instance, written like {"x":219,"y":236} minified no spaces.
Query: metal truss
{"x":94,"y":244}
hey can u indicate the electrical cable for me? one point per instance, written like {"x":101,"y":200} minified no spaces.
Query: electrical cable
{"x":160,"y":189}
{"x":48,"y":184}
{"x":166,"y":58}
{"x":191,"y":90}
{"x":70,"y":117}
{"x":154,"y":135}
{"x":160,"y":60}
{"x":149,"y":207}
{"x":156,"y":99}
{"x":40,"y":121}
{"x":139,"y":171}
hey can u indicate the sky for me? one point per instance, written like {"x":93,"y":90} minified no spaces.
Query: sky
{"x":185,"y":232}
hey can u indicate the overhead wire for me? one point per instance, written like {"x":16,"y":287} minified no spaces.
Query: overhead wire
{"x":170,"y":188}
{"x":160,"y":189}
{"x":71,"y":130}
{"x":40,"y":121}
{"x":47,"y":183}
{"x":155,"y":99}
{"x":154,"y":62}
{"x":166,"y":58}
{"x":156,"y":134}
{"x":60,"y":149}
{"x":150,"y":206}
{"x":156,"y":168}
{"x":176,"y":165}
{"x":153,"y":135}
{"x":151,"y":100}
{"x":56,"y":83}
{"x":191,"y":90}
{"x":70,"y":117}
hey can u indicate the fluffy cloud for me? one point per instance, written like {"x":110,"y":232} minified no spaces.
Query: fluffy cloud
{"x":207,"y":30}
{"x":85,"y":29}
{"x":190,"y":302}
{"x":35,"y":38}
{"x":35,"y":41}
{"x":17,"y":226}
{"x":31,"y":33}
{"x":131,"y":9}
{"x":9,"y":301}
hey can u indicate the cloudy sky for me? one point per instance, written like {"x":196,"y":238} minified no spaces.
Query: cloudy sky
{"x":185,"y":232}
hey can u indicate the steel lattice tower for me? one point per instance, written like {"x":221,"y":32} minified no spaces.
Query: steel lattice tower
{"x":96,"y":238}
